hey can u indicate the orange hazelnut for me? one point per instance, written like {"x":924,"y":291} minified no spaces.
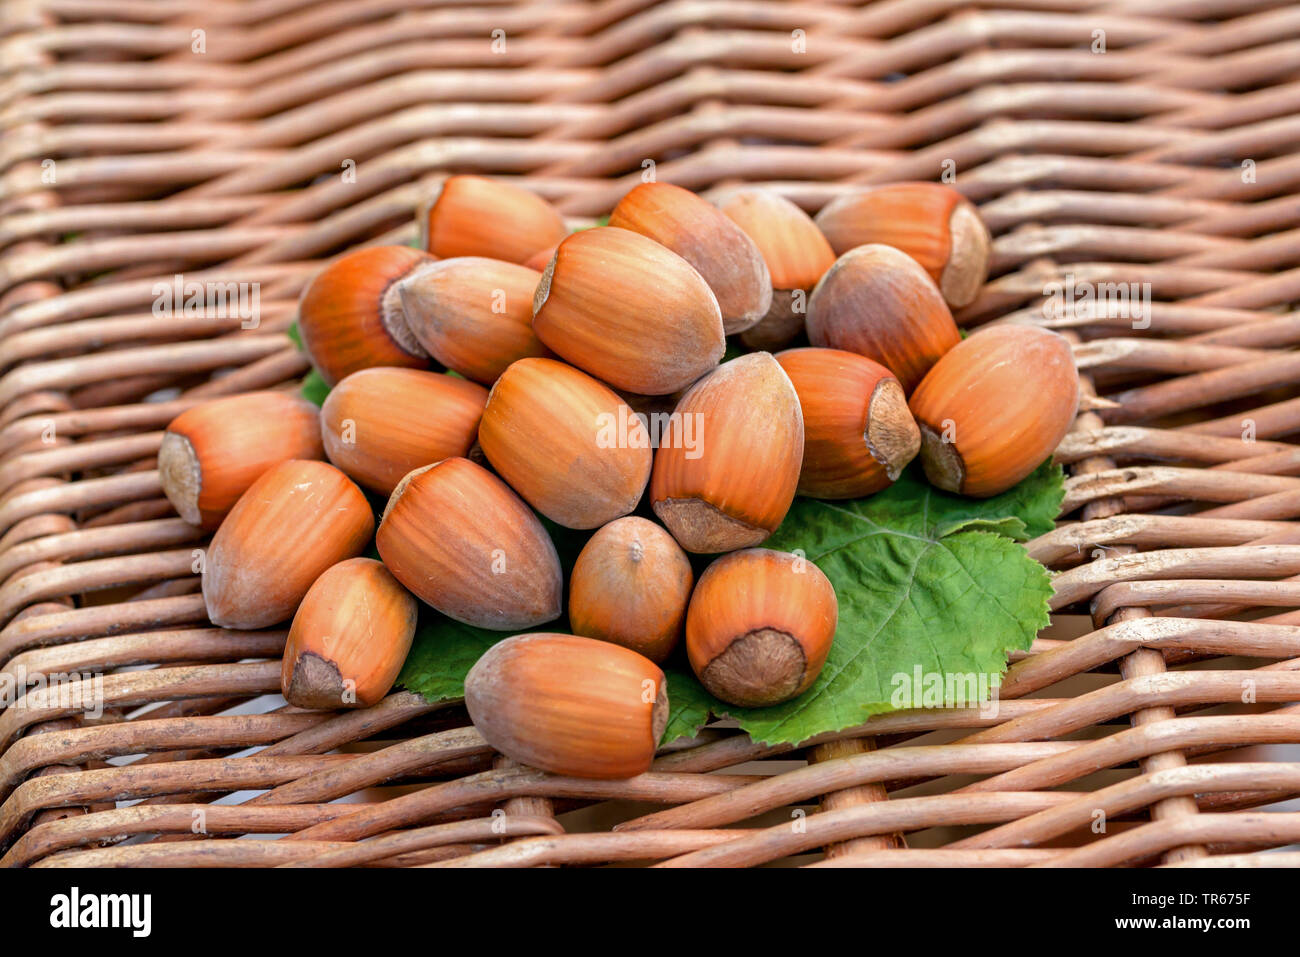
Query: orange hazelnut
{"x":931,"y":222}
{"x":212,"y":452}
{"x":630,"y":585}
{"x":995,"y":408}
{"x":701,"y":234}
{"x":473,"y":315}
{"x":877,"y":302}
{"x":569,"y":705}
{"x":477,"y":216}
{"x":566,"y":443}
{"x":349,"y":639}
{"x":858,"y":434}
{"x":379,"y":424}
{"x":759,"y":627}
{"x":350,"y":316}
{"x":295,"y":521}
{"x":459,"y":538}
{"x":728,"y":464}
{"x":628,"y":311}
{"x":796,"y":253}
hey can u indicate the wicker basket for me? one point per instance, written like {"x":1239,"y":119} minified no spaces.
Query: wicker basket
{"x":249,"y":142}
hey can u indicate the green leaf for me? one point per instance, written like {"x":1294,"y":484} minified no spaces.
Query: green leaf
{"x":314,"y":387}
{"x":603,"y":221}
{"x":295,"y":334}
{"x":1036,"y":501}
{"x":924,"y":579}
{"x":442,"y":654}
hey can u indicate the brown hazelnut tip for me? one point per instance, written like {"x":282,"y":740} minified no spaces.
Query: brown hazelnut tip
{"x":392,"y":313}
{"x":761,"y":668}
{"x":703,"y":528}
{"x":543,"y":290}
{"x":891,"y":433}
{"x":315,"y":684}
{"x":181,"y":475}
{"x":412,"y":300}
{"x":941,"y":460}
{"x":968,"y":264}
{"x":400,"y":488}
{"x":659,"y":716}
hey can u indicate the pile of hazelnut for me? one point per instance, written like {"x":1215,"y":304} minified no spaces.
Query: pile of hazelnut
{"x":511,"y":368}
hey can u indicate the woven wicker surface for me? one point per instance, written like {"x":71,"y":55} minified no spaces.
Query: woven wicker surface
{"x":1136,"y":143}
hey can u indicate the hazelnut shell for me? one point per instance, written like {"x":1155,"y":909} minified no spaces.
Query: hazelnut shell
{"x":630,"y":585}
{"x":759,"y":626}
{"x":212,"y":452}
{"x":379,"y":424}
{"x":298,"y":519}
{"x":462,"y":541}
{"x":931,"y":222}
{"x":879,"y":303}
{"x":859,"y":434}
{"x":728,"y":464}
{"x":569,"y":705}
{"x":995,"y":408}
{"x":349,"y":638}
{"x":350,"y":316}
{"x":566,"y":443}
{"x":706,"y":238}
{"x":628,"y":311}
